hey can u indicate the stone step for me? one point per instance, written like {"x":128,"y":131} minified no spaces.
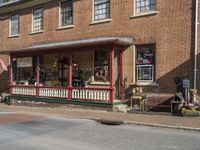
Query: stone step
{"x":120,"y":108}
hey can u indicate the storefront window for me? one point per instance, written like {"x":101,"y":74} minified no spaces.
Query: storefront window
{"x":145,"y":62}
{"x":101,"y":66}
{"x":22,"y":70}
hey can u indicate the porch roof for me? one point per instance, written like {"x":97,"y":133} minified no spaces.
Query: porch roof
{"x":123,"y":41}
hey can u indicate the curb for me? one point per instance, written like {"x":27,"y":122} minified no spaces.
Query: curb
{"x":162,"y":126}
{"x":129,"y":123}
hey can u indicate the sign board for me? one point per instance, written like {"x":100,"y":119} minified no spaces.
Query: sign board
{"x":186,"y":83}
{"x":24,"y":62}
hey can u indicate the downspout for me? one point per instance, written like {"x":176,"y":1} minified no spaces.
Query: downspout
{"x":196,"y":48}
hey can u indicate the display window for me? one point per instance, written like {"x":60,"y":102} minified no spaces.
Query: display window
{"x":145,"y":62}
{"x":101,"y":66}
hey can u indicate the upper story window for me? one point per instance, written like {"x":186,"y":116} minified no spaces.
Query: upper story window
{"x":37,"y":19}
{"x":101,"y":9}
{"x":7,"y":2}
{"x":14,"y":24}
{"x":66,"y":13}
{"x":145,"y":6}
{"x":145,"y":62}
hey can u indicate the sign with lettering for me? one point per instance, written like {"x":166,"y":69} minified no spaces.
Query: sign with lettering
{"x":24,"y":62}
{"x":186,"y":83}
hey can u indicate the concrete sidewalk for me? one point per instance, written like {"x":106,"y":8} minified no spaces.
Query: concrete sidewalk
{"x":163,"y":121}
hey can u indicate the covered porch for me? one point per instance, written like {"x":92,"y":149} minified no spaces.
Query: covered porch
{"x":88,"y":70}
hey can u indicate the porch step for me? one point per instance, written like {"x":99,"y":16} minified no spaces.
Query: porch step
{"x":120,"y":108}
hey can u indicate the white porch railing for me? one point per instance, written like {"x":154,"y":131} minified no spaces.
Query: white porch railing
{"x":91,"y":94}
{"x":78,"y":93}
{"x":24,"y":90}
{"x":53,"y":92}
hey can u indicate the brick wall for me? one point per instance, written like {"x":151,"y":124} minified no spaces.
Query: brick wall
{"x":170,"y":30}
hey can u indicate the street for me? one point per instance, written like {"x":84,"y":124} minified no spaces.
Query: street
{"x":29,"y":132}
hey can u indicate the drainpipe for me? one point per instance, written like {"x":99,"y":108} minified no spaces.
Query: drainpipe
{"x":196,"y":48}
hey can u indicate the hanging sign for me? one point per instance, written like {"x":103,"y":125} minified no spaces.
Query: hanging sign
{"x":24,"y":62}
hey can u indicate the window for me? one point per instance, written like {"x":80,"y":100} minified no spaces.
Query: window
{"x":66,"y":13}
{"x":145,"y":62}
{"x":101,"y":9}
{"x":14,"y":24}
{"x":37,"y":19}
{"x":145,"y":6}
{"x":101,"y":66}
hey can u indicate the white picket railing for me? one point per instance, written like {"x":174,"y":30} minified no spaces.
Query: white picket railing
{"x":86,"y":94}
{"x":53,"y":92}
{"x":91,"y":94}
{"x":22,"y":90}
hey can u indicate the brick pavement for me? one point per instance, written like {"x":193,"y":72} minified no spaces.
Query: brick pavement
{"x":192,"y":122}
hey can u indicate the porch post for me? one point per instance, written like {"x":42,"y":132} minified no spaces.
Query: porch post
{"x":112,"y":93}
{"x":70,"y":79}
{"x":37,"y":76}
{"x":121,"y":64}
{"x":11,"y":76}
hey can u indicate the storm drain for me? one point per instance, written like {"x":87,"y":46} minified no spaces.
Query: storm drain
{"x":109,"y":122}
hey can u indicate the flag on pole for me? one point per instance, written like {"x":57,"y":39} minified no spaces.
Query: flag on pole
{"x":3,"y":65}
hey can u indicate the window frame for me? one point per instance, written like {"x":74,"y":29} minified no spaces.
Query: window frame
{"x":94,"y":65}
{"x":60,"y":15}
{"x":42,"y":23}
{"x":10,"y":25}
{"x":94,"y":12}
{"x":152,"y":66}
{"x":146,"y":11}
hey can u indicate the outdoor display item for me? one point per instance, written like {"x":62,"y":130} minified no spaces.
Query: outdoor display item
{"x":190,"y":110}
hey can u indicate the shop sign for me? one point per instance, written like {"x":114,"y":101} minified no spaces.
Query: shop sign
{"x":24,"y":62}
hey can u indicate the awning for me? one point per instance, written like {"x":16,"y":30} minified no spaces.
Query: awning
{"x":3,"y":65}
{"x":123,"y":41}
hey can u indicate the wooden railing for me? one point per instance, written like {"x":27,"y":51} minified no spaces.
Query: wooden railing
{"x":55,"y":92}
{"x":91,"y":94}
{"x":77,"y":93}
{"x":24,"y":90}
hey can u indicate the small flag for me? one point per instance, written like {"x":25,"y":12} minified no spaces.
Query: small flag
{"x":3,"y":65}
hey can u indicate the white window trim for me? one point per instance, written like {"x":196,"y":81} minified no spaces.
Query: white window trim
{"x":59,"y":20}
{"x":145,"y":83}
{"x":147,"y":13}
{"x":142,"y":82}
{"x":39,"y":31}
{"x":153,"y":71}
{"x":102,"y":20}
{"x":15,"y":35}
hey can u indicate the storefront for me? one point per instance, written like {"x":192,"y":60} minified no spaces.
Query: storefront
{"x":81,"y":70}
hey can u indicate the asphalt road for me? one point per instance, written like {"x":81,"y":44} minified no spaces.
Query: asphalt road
{"x":54,"y":133}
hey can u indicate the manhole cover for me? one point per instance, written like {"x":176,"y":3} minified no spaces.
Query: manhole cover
{"x":109,"y":122}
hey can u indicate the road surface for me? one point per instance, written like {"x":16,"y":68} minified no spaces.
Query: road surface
{"x":30,"y":132}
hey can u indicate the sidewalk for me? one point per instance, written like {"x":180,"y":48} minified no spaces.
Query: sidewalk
{"x":163,"y":121}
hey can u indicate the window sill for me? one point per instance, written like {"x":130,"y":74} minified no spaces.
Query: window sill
{"x":36,"y":32}
{"x":13,"y":36}
{"x":99,"y":83}
{"x":145,"y":83}
{"x":66,"y":27}
{"x":100,"y":21}
{"x":144,"y":14}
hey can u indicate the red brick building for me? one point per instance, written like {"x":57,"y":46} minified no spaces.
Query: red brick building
{"x":97,"y":50}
